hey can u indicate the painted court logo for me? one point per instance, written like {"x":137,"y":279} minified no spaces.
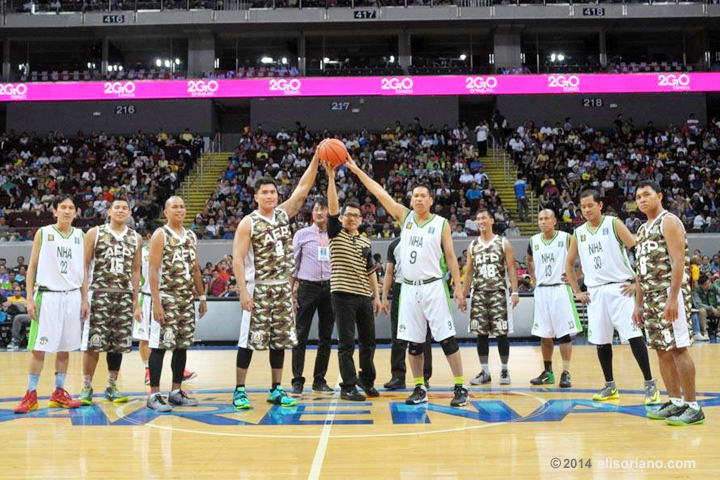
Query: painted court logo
{"x":202,"y":88}
{"x":678,"y":83}
{"x":401,"y":86}
{"x":567,"y":83}
{"x":119,"y":89}
{"x":287,"y":87}
{"x":14,"y":91}
{"x":480,"y":84}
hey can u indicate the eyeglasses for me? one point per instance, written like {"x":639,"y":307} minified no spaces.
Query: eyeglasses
{"x":352,"y":215}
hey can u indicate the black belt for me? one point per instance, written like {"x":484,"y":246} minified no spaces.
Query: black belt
{"x":626,"y":282}
{"x":420,"y":282}
{"x":321,"y":283}
{"x":551,"y":285}
{"x":148,"y":294}
{"x":43,"y":289}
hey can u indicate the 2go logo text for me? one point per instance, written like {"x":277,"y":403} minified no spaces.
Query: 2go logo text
{"x":676,"y":82}
{"x":202,"y":88}
{"x":14,"y":91}
{"x":287,"y":87}
{"x":120,"y":89}
{"x":397,"y":85}
{"x":568,"y":83}
{"x":480,"y":84}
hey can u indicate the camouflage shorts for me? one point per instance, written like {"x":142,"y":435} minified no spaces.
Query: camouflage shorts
{"x":272,"y":322}
{"x":110,"y":324}
{"x":488,"y":313}
{"x":660,"y":333}
{"x":178,"y":330}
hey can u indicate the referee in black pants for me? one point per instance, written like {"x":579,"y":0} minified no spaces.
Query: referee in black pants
{"x":393,"y":282}
{"x":311,"y":290}
{"x":352,"y":284}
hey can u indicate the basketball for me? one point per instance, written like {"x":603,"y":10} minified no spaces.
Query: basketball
{"x":333,"y":152}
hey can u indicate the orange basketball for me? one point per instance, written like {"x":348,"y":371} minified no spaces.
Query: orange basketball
{"x":333,"y":152}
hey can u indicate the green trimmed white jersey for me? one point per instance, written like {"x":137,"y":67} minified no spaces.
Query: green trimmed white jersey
{"x":421,"y":253}
{"x":549,"y":257}
{"x":60,"y":262}
{"x":145,"y":279}
{"x":603,"y":257}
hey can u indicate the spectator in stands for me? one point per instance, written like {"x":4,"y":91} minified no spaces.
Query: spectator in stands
{"x":512,"y":230}
{"x":705,"y":299}
{"x":521,"y":197}
{"x":481,"y":137}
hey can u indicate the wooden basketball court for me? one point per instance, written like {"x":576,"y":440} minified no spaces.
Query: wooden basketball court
{"x":505,"y":432}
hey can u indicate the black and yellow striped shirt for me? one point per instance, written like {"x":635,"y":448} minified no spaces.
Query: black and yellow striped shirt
{"x":351,"y":260}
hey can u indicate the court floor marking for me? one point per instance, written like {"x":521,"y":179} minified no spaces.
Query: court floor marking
{"x":319,"y":458}
{"x":121,"y":413}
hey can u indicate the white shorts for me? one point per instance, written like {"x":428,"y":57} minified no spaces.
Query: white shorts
{"x":58,"y":327}
{"x":423,"y":305}
{"x":555,"y":314}
{"x":610,"y":310}
{"x":141,"y":330}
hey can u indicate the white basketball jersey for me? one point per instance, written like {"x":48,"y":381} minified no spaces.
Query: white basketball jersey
{"x":60,"y":263}
{"x":604,"y":259}
{"x":421,"y":248}
{"x":549,"y":257}
{"x":145,"y":278}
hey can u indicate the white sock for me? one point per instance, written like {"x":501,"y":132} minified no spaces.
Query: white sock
{"x":677,"y":402}
{"x":693,"y":405}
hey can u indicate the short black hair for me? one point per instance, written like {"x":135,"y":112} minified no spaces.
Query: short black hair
{"x":322,"y":201}
{"x":61,"y":198}
{"x":120,"y":198}
{"x":426,"y":187}
{"x":703,"y":278}
{"x":484,"y":210}
{"x":591,"y":192}
{"x":350,"y":204}
{"x":265,"y":181}
{"x":649,"y":183}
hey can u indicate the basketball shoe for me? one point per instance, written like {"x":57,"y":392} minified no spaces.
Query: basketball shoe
{"x":418,"y":396}
{"x":86,"y":396}
{"x":545,"y":378}
{"x":606,"y":393}
{"x":179,"y":398}
{"x":652,"y":394}
{"x":157,"y":403}
{"x":460,"y":398}
{"x":689,"y":416}
{"x":278,"y":396}
{"x":482,"y":378}
{"x":60,"y":398}
{"x":112,"y":394}
{"x":504,"y":377}
{"x":240,"y":399}
{"x":666,"y":410}
{"x":565,"y":380}
{"x":28,"y":403}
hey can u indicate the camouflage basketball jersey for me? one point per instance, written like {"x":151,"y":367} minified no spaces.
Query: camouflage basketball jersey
{"x":489,"y":269}
{"x":177,"y":263}
{"x":654,"y":265}
{"x":114,"y":257}
{"x":272,"y":250}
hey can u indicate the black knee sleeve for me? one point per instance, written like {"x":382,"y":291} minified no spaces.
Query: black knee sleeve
{"x":277,"y":358}
{"x":565,"y":339}
{"x":244,"y":356}
{"x":114,"y":360}
{"x":450,"y":345}
{"x":483,"y":345}
{"x":155,"y":364}
{"x":415,"y":349}
{"x":503,"y":346}
{"x":179,"y":359}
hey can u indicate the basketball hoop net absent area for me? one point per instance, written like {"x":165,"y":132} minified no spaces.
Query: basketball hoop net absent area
{"x":362,"y":86}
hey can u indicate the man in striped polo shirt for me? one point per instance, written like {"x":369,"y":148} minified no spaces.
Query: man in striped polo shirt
{"x":353,"y":281}
{"x":311,"y":289}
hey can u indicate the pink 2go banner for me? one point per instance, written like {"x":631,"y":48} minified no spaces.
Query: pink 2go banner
{"x":361,"y":86}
